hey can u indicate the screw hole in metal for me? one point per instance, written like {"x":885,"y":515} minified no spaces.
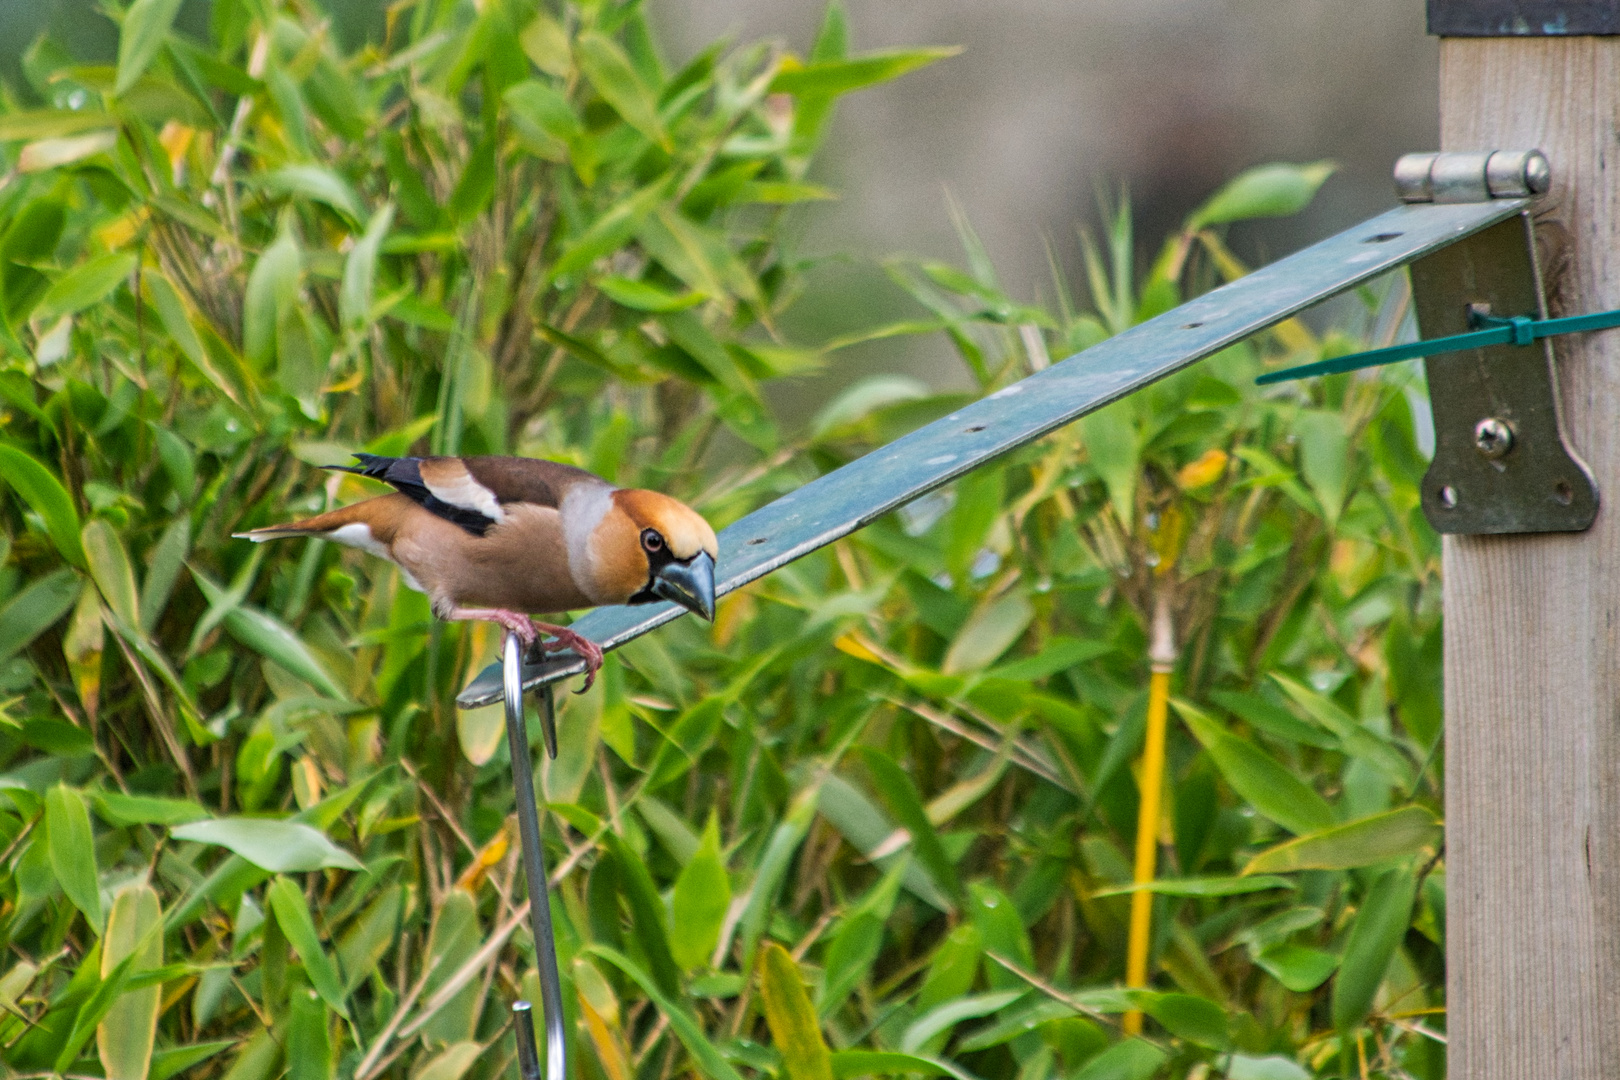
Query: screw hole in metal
{"x":1448,"y":497}
{"x":1563,"y":494}
{"x":1382,"y":238}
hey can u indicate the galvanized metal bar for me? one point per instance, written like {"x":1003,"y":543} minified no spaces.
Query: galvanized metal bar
{"x":534,"y":870}
{"x":835,"y":505}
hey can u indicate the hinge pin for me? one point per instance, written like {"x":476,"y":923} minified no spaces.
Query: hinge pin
{"x":1471,"y":176}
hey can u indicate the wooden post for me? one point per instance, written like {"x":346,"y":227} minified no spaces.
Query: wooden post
{"x":1532,"y":623}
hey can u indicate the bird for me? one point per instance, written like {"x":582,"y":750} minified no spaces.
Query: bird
{"x":501,"y":539}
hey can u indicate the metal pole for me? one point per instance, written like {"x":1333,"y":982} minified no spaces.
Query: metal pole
{"x":534,"y":869}
{"x":528,"y":1055}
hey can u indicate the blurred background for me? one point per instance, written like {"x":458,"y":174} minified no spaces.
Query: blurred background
{"x":1050,"y":103}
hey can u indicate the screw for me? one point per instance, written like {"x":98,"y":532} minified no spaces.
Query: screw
{"x":1493,"y":438}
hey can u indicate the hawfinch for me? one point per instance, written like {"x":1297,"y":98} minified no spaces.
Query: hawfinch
{"x":496,"y":538}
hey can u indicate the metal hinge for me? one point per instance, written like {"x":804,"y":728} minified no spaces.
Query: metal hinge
{"x":1501,"y":462}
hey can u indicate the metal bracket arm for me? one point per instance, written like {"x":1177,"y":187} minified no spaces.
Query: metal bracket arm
{"x":835,"y":505}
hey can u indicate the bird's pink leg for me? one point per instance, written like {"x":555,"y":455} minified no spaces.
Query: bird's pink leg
{"x":521,"y":625}
{"x":528,"y":630}
{"x":586,"y":649}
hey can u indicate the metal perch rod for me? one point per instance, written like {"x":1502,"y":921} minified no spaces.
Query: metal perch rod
{"x":534,"y":870}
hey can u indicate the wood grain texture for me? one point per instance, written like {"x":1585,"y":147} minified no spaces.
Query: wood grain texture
{"x":1532,"y":693}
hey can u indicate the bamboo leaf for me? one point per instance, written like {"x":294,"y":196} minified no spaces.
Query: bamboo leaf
{"x":86,"y":284}
{"x":167,"y":558}
{"x":127,"y":1032}
{"x":451,"y":1064}
{"x":1256,"y":775}
{"x":614,"y":76}
{"x":54,"y":153}
{"x":644,"y":297}
{"x":1299,"y":968}
{"x":953,"y":968}
{"x":1277,"y":190}
{"x":176,"y":319}
{"x":1324,"y":454}
{"x":272,"y":287}
{"x":1394,"y":834}
{"x":73,"y":851}
{"x":271,"y":638}
{"x":309,"y":1038}
{"x":120,"y":810}
{"x":360,"y":271}
{"x":1381,"y":922}
{"x":945,"y":1017}
{"x":702,"y":897}
{"x":859,"y":941}
{"x":989,"y":632}
{"x":1129,"y":1059}
{"x":795,"y":1029}
{"x":773,"y":866}
{"x":904,"y":801}
{"x":314,"y":182}
{"x":1189,"y":1017}
{"x":145,"y":25}
{"x":685,"y":1027}
{"x":833,"y":77}
{"x":43,"y":492}
{"x":1214,"y":886}
{"x":648,"y":919}
{"x":35,"y":609}
{"x":283,"y":847}
{"x":476,"y":185}
{"x":611,"y":229}
{"x":292,"y":914}
{"x":177,"y":1059}
{"x":51,"y":123}
{"x":111,"y":570}
{"x":850,"y":1063}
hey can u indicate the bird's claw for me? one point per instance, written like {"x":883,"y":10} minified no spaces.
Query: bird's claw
{"x":521,"y":625}
{"x":566,"y":640}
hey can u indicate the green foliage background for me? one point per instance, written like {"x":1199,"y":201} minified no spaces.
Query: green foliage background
{"x":876,"y":820}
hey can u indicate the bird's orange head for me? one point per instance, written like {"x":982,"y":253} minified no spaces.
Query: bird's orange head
{"x":675,"y":550}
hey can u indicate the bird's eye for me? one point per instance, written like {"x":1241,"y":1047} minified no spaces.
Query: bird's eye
{"x":651,"y":540}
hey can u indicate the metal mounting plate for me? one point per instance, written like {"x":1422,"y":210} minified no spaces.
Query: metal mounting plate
{"x":835,"y":505}
{"x":1473,"y":485}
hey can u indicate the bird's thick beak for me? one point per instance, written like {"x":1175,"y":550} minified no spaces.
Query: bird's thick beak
{"x":689,"y":584}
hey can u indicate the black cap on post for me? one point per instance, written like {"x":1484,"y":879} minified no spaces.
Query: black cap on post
{"x":1522,"y":18}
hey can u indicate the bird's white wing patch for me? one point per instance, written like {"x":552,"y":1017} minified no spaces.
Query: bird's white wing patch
{"x":358,"y":535}
{"x":467,"y":493}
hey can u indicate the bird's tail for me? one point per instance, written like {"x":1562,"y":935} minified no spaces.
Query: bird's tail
{"x":369,"y":524}
{"x":319,"y":525}
{"x":372,"y":465}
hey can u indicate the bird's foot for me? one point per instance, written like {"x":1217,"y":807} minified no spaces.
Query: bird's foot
{"x":524,"y":627}
{"x":566,"y":639}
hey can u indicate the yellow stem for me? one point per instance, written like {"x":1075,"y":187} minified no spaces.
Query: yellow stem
{"x":1147,"y":839}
